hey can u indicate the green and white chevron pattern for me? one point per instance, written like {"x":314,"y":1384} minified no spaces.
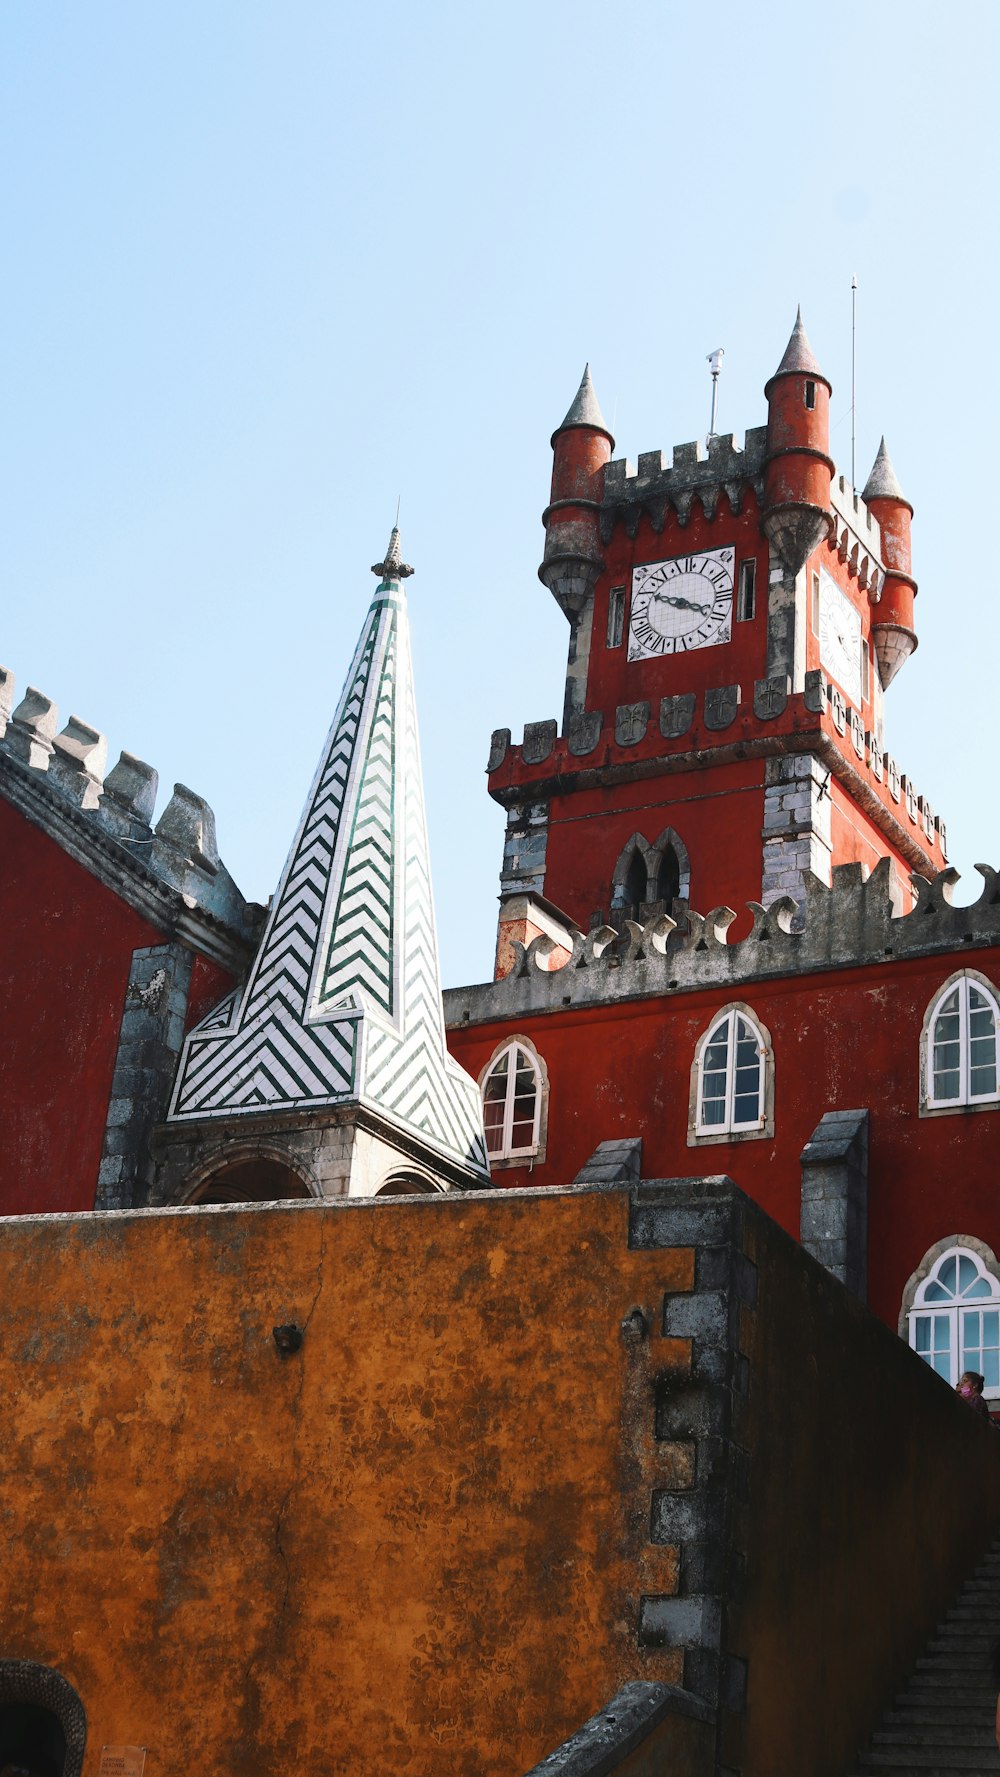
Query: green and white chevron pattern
{"x":343,"y":1003}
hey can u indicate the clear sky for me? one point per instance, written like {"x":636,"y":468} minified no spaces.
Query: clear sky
{"x":268,"y":266}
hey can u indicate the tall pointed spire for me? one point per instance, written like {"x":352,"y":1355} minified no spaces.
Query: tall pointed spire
{"x":342,"y":1006}
{"x":585,"y":409}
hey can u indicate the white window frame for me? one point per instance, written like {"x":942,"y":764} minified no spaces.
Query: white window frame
{"x":930,"y":1104}
{"x":729,"y":1130}
{"x":952,"y":1311}
{"x":507,"y":1154}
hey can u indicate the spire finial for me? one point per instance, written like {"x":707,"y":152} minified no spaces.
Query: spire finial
{"x":799,"y":355}
{"x":392,"y":568}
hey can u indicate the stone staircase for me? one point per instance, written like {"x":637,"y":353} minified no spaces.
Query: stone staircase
{"x":943,"y":1722}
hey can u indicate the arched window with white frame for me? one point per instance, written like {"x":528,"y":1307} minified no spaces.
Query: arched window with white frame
{"x":514,"y":1089}
{"x":959,"y":1045}
{"x":732,"y":1079}
{"x":954,"y":1321}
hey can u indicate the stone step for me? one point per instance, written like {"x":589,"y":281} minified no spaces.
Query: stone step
{"x":915,"y":1759}
{"x":940,"y":1715}
{"x":930,"y":1685}
{"x":954,"y":1660}
{"x":927,"y":1734}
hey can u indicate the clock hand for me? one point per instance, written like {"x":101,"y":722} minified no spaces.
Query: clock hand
{"x":679,"y":604}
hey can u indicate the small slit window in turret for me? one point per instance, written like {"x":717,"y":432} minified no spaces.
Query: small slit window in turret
{"x":866,"y":673}
{"x":746,"y":599}
{"x":814,"y":605}
{"x":616,"y":616}
{"x":810,"y":395}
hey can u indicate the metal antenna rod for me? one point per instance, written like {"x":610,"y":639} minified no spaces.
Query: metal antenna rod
{"x":854,"y":379}
{"x":715,"y":360}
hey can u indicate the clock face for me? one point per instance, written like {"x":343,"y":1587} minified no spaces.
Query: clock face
{"x":840,"y":637}
{"x":681,"y":604}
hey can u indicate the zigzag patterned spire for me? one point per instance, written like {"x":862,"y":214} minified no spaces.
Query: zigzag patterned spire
{"x":343,"y":1003}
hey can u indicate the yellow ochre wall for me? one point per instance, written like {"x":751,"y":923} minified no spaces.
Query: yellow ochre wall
{"x":416,"y":1546}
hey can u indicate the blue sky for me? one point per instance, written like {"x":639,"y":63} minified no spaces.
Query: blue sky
{"x":267,"y":267}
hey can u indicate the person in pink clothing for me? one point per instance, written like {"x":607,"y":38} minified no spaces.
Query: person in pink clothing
{"x":970,"y":1386}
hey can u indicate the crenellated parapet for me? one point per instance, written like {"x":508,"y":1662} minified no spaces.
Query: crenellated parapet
{"x":763,"y":720}
{"x":857,"y":921}
{"x":655,"y":487}
{"x":58,"y":778}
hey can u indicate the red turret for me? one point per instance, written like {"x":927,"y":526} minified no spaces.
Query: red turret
{"x":797,"y":477}
{"x":572,"y":562}
{"x":892,"y":613}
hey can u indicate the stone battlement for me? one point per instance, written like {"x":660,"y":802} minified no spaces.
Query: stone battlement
{"x":58,"y":779}
{"x":656,"y":486}
{"x":765,"y":720}
{"x":856,"y":922}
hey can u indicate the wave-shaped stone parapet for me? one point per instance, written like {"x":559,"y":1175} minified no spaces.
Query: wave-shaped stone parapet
{"x":857,"y":921}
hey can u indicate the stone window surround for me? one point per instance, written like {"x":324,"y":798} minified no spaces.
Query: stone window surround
{"x":960,"y":1108}
{"x":504,"y":1162}
{"x":700,"y":1138}
{"x":985,"y":1254}
{"x":652,"y":856}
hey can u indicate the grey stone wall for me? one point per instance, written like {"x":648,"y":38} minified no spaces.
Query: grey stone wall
{"x":149,"y":1042}
{"x":834,"y":1216}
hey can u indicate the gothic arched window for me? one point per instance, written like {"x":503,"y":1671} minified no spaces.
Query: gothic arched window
{"x":959,"y":1060}
{"x":954,"y":1323}
{"x":515,"y":1102}
{"x":732,"y":1079}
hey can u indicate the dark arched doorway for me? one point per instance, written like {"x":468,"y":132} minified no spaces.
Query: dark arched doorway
{"x":257,"y":1179}
{"x":32,"y":1741}
{"x":407,"y":1184}
{"x":43,"y":1727}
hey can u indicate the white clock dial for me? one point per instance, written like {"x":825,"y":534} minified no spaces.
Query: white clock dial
{"x":840,"y":638}
{"x":681,"y":604}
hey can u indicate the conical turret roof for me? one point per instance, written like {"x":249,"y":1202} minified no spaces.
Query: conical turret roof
{"x":343,"y":1002}
{"x":799,"y":355}
{"x":585,"y":409}
{"x":882,"y":483}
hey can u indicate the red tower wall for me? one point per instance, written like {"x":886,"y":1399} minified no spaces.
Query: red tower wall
{"x":63,"y":973}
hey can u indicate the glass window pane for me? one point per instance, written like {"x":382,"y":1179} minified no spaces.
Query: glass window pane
{"x":934,"y":1293}
{"x":746,"y":1109}
{"x":948,"y":1274}
{"x":922,"y":1334}
{"x":978,"y":1289}
{"x":942,"y":1364}
{"x":967,"y":1273}
{"x":983,"y":1081}
{"x":991,"y":1371}
{"x":496,"y":1082}
{"x":991,"y":1323}
{"x":942,"y":1333}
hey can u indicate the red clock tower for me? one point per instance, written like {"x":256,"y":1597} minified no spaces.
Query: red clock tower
{"x":736,"y":614}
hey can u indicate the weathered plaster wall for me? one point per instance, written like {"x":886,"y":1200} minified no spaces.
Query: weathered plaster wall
{"x":870,"y":1491}
{"x":417,"y":1546}
{"x":64,"y":967}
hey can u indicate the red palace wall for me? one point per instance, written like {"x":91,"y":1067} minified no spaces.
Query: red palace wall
{"x":64,"y":967}
{"x":624,"y":1070}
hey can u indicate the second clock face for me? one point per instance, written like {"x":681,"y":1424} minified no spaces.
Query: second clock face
{"x":840,"y":638}
{"x":681,"y":604}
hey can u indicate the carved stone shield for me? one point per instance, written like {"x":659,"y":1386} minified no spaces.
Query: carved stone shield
{"x":631,"y":722}
{"x":770,"y":697}
{"x":583,"y":731}
{"x":499,"y":742}
{"x":676,"y":715}
{"x":539,"y":739}
{"x":721,"y":706}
